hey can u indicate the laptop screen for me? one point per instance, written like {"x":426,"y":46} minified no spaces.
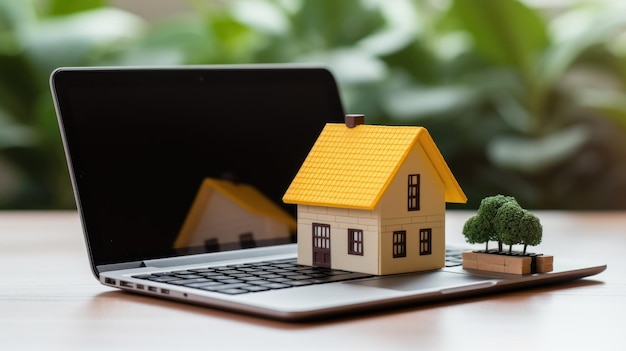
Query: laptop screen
{"x":188,"y":160}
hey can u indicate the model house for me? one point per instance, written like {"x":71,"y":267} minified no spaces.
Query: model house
{"x":228,"y":215}
{"x":372,"y":199}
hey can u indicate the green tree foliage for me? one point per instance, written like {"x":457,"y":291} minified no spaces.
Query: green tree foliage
{"x":507,"y":223}
{"x":476,"y":232}
{"x":532,"y":230}
{"x":500,"y":218}
{"x":481,"y":228}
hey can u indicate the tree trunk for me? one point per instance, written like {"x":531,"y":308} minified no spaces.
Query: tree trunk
{"x":525,"y":246}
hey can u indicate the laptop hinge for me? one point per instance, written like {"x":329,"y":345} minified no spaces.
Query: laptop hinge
{"x":221,"y":256}
{"x":119,"y":266}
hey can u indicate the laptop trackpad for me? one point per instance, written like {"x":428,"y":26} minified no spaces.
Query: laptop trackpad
{"x":439,"y":280}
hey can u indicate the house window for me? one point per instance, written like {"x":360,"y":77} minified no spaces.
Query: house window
{"x":414,"y":192}
{"x":399,"y":243}
{"x":426,"y":241}
{"x":355,"y":242}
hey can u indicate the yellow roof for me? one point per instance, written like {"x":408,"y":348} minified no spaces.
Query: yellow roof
{"x":352,"y":167}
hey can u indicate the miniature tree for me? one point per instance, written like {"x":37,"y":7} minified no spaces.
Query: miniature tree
{"x":518,"y":226}
{"x":481,"y":228}
{"x":508,"y":222}
{"x":501,"y":218}
{"x":475,"y":232}
{"x":531,"y":230}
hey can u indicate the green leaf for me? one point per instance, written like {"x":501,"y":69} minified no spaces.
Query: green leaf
{"x":65,"y":7}
{"x":513,"y":112}
{"x":534,"y":155}
{"x":77,"y":39}
{"x":332,"y":23}
{"x":611,"y":104}
{"x":576,"y":33}
{"x":261,"y":15}
{"x":15,"y":15}
{"x":350,"y":65}
{"x":173,"y":42}
{"x":425,"y":102}
{"x":504,"y":31}
{"x":13,"y":134}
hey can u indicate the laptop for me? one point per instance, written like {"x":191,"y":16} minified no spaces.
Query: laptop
{"x":179,"y":174}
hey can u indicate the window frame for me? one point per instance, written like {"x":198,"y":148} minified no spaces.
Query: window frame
{"x":399,"y":243}
{"x":426,"y":241}
{"x":355,"y":242}
{"x":413,"y":192}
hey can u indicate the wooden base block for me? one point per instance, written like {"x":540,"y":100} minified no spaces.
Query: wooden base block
{"x":517,"y":269}
{"x":506,"y":264}
{"x":547,"y":259}
{"x":515,"y":261}
{"x":545,"y":268}
{"x":491,"y":267}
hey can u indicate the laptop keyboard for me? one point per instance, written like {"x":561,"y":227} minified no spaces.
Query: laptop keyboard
{"x":454,"y":257}
{"x":262,"y":276}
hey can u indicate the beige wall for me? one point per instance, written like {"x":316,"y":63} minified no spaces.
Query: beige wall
{"x":340,"y":221}
{"x":396,"y":217}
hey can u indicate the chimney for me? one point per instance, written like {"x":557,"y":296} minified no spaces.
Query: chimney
{"x":354,"y":120}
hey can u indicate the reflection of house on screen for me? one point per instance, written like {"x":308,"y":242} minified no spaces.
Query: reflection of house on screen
{"x":227,"y":215}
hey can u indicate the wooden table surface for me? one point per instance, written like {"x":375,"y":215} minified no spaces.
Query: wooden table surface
{"x":49,"y":300}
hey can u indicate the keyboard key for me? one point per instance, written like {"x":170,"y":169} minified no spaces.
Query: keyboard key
{"x":163,"y":279}
{"x":284,"y":265}
{"x":231,"y":281}
{"x":269,"y":276}
{"x":221,"y":286}
{"x":259,"y":282}
{"x":250,"y":278}
{"x":187,"y":281}
{"x":220,"y":277}
{"x":232,"y":286}
{"x":188,"y":276}
{"x":279,"y":280}
{"x":202,"y":270}
{"x":204,"y":284}
{"x":183,"y":272}
{"x":240,"y":275}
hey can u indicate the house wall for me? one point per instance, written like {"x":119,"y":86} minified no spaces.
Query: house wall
{"x":395,"y":216}
{"x":340,"y":221}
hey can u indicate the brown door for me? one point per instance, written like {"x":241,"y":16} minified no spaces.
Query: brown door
{"x":321,"y":245}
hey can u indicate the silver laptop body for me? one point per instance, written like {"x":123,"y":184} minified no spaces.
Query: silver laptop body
{"x":145,"y":147}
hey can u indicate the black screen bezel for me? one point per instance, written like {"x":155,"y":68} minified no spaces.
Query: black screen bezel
{"x":65,"y":80}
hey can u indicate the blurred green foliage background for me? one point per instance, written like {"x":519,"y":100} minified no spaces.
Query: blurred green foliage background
{"x":524,"y":98}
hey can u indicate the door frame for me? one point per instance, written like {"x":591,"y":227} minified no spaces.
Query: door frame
{"x":321,"y":244}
